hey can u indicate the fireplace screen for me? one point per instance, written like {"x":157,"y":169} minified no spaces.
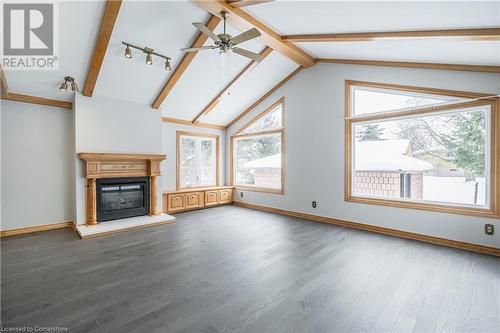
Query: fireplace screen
{"x":121,"y":198}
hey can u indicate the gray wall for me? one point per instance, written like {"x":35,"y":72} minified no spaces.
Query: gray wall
{"x":314,"y":149}
{"x":169,"y":138}
{"x":36,"y":165}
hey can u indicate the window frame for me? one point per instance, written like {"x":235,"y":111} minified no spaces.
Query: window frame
{"x":494,"y":144}
{"x":280,"y":130}
{"x":179,"y":134}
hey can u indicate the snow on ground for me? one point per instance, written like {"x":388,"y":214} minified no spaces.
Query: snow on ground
{"x":454,"y":190}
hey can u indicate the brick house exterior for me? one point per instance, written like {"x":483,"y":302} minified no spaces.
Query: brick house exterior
{"x":387,"y":168}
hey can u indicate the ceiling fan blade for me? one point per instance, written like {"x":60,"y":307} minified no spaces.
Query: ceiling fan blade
{"x":243,"y":37}
{"x":200,"y":26}
{"x":249,"y":54}
{"x":195,"y":49}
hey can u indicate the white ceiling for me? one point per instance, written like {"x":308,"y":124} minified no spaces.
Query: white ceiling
{"x":436,"y":51}
{"x":321,"y":17}
{"x":314,"y":17}
{"x":250,"y":88}
{"x":78,"y":26}
{"x":166,"y":27}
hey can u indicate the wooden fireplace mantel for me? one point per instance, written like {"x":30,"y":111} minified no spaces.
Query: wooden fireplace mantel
{"x":112,"y":165}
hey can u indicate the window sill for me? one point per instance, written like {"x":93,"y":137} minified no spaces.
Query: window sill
{"x":259,"y":189}
{"x":481,"y":212}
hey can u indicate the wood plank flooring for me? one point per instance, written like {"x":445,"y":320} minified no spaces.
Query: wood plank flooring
{"x":231,"y":269}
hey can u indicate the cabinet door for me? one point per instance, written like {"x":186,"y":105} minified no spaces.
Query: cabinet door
{"x":211,"y":198}
{"x":225,"y":196}
{"x":176,"y":202}
{"x":194,"y":200}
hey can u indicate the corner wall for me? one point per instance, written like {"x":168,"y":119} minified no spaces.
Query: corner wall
{"x":36,"y":145}
{"x":314,"y":149}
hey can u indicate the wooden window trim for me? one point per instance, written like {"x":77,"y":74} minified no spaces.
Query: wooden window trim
{"x":492,"y":211}
{"x":264,"y":113}
{"x":178,"y":158}
{"x":238,"y":134}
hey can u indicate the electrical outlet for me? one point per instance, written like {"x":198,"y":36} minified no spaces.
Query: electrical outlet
{"x":241,"y":194}
{"x":314,"y":204}
{"x":489,"y":229}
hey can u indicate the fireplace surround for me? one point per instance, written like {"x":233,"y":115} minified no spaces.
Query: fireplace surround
{"x":103,"y":169}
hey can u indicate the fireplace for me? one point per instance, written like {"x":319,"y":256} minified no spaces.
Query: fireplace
{"x":119,"y":198}
{"x":120,"y":185}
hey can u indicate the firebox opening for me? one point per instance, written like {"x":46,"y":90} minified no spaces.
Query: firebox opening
{"x":119,"y":198}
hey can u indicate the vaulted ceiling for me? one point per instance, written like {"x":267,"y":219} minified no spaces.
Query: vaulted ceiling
{"x":166,"y":27}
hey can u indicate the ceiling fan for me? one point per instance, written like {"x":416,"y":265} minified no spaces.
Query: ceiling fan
{"x":225,"y":42}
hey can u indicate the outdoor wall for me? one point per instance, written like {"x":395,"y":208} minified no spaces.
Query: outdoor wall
{"x":113,"y":126}
{"x":36,"y":165}
{"x":168,"y":140}
{"x":314,"y":149}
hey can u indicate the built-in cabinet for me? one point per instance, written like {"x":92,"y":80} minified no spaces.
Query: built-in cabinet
{"x":196,"y":198}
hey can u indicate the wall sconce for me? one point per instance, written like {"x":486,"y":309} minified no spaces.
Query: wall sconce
{"x":71,"y":81}
{"x":149,"y":52}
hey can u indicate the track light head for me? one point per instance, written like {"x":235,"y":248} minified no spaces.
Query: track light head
{"x":168,"y":65}
{"x":63,"y":87}
{"x":128,"y":52}
{"x":149,"y":59}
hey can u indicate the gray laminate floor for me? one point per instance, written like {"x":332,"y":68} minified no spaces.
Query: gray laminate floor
{"x":231,"y":269}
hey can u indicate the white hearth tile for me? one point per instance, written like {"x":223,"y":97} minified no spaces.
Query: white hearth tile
{"x":88,"y":231}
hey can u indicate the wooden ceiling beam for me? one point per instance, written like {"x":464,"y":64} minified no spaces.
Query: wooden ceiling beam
{"x":4,"y":87}
{"x":245,"y":3}
{"x":266,"y":95}
{"x":460,"y":34}
{"x":37,"y":100}
{"x":199,"y":41}
{"x":107,"y":24}
{"x":215,"y":101}
{"x":189,"y":123}
{"x":429,"y":65}
{"x":244,"y":21}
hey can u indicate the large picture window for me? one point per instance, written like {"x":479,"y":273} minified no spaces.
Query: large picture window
{"x":257,"y":152}
{"x":197,"y":160}
{"x":422,"y":148}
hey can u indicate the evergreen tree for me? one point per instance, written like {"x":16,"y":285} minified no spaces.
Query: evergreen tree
{"x":370,"y":132}
{"x":467,"y":146}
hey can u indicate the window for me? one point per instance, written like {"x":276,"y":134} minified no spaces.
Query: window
{"x":257,"y":152}
{"x":422,"y":148}
{"x":197,"y":160}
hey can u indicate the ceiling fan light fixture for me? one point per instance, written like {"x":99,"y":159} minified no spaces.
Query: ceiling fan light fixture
{"x":225,"y":42}
{"x":168,"y":65}
{"x":128,"y":52}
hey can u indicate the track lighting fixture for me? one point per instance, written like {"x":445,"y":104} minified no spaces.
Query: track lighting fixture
{"x":64,"y":85}
{"x":149,"y":59}
{"x":149,"y":55}
{"x":128,"y":52}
